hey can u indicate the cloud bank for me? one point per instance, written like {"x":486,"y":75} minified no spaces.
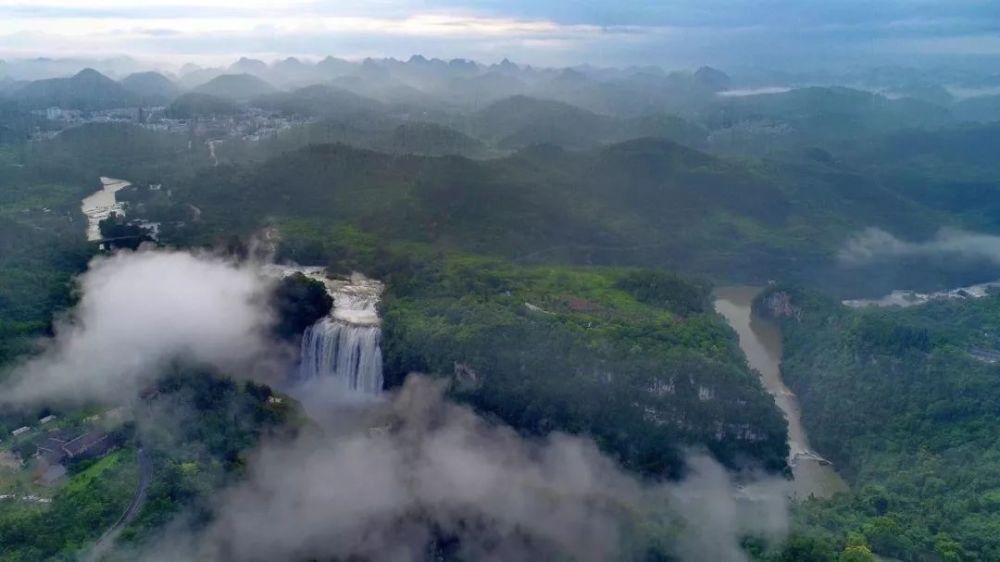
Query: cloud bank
{"x":875,"y":244}
{"x":139,"y":311}
{"x":419,"y":470}
{"x":402,"y":479}
{"x":546,"y":32}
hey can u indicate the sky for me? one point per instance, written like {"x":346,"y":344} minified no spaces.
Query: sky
{"x":669,"y":33}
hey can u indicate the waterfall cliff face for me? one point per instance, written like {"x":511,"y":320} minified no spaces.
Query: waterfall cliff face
{"x":350,"y":353}
{"x":346,"y":345}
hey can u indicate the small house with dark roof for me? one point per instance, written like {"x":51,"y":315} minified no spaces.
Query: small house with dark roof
{"x":55,"y":447}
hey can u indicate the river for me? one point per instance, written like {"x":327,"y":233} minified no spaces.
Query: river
{"x":100,"y":204}
{"x":761,"y":343}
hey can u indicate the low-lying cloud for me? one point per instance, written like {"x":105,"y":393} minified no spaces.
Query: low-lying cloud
{"x":417,"y":470}
{"x":138,"y":311}
{"x":875,"y":244}
{"x":387,"y":479}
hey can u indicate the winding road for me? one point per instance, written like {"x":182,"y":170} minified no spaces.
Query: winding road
{"x":103,"y":544}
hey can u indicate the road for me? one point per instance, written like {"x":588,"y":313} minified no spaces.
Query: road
{"x":104,"y":544}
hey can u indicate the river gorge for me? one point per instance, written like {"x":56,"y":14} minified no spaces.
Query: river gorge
{"x":762,"y":345}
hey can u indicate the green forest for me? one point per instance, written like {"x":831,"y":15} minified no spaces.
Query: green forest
{"x":628,"y":357}
{"x":904,"y":401}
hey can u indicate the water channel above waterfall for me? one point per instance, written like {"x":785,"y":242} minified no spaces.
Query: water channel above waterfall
{"x":761,"y":343}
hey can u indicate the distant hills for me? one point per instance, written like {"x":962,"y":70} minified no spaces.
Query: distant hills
{"x":318,"y":100}
{"x":248,"y":66}
{"x":88,"y":89}
{"x":507,"y":107}
{"x":293,"y":71}
{"x":151,"y":88}
{"x":521,"y":121}
{"x":833,"y":110}
{"x":464,"y":86}
{"x":713,"y":78}
{"x":194,"y":104}
{"x":429,"y":139}
{"x":236,"y":87}
{"x":8,"y":85}
{"x":333,"y":67}
{"x":644,"y":201}
{"x":981,"y":108}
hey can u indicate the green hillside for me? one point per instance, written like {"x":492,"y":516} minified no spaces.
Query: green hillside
{"x":643,"y":202}
{"x":905,"y":403}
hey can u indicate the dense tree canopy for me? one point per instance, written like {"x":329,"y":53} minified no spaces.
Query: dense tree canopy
{"x":576,"y":350}
{"x":299,"y":302}
{"x":904,"y":401}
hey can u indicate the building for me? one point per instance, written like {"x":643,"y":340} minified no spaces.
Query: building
{"x":58,"y":446}
{"x":89,"y":445}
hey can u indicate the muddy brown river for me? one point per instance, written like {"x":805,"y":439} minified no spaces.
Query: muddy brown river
{"x":761,"y":343}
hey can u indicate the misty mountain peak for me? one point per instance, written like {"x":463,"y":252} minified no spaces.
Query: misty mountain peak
{"x":334,"y":66}
{"x":236,"y":87}
{"x":251,"y":66}
{"x":151,"y":87}
{"x":290,"y":61}
{"x":713,"y":78}
{"x":89,"y":74}
{"x":463,"y":64}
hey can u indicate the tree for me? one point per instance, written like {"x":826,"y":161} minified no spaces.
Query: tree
{"x":948,"y":549}
{"x":887,"y":536}
{"x":806,"y":548}
{"x":299,"y":302}
{"x":857,"y":550}
{"x":123,"y":234}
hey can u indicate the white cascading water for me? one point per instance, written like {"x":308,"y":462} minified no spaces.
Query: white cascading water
{"x":346,"y":345}
{"x":350,"y":353}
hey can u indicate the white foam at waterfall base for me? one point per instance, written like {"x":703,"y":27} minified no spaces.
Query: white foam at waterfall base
{"x":350,"y":354}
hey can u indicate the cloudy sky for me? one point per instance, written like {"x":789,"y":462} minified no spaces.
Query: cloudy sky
{"x":546,"y":32}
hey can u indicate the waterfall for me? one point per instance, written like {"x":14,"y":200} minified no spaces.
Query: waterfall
{"x":346,"y":345}
{"x":349,"y":352}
